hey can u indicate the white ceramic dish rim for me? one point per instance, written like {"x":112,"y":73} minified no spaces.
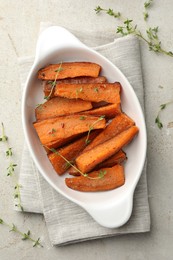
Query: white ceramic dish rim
{"x":117,"y":211}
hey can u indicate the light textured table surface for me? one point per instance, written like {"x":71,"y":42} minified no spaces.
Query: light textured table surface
{"x":19,"y":26}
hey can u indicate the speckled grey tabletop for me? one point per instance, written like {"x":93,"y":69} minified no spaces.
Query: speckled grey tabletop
{"x":19,"y":26}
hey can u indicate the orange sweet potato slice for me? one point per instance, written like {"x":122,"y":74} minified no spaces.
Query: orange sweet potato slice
{"x":61,"y":142}
{"x":59,"y":106}
{"x":48,"y":85}
{"x":113,"y":178}
{"x":89,"y":159}
{"x":69,"y":70}
{"x":95,"y":92}
{"x":116,"y":158}
{"x":109,"y":111}
{"x":120,"y":123}
{"x":54,"y":130}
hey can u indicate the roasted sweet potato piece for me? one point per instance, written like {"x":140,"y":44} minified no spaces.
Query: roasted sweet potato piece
{"x":61,"y":142}
{"x":120,"y":123}
{"x":109,"y":111}
{"x":109,"y":92}
{"x":69,"y":70}
{"x":59,"y":106}
{"x":117,"y":158}
{"x":59,"y":128}
{"x":89,"y":159}
{"x":69,"y":152}
{"x":113,"y":178}
{"x":48,"y":85}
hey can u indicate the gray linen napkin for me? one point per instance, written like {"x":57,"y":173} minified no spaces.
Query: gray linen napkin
{"x":67,"y":222}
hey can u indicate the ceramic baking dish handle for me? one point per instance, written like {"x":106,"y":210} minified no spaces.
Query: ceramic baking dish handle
{"x":115,"y":215}
{"x":52,"y":39}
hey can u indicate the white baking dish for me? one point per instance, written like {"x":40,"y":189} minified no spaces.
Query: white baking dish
{"x":109,"y":208}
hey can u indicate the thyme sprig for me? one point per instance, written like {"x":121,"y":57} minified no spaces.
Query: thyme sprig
{"x":24,"y":236}
{"x":11,"y":168}
{"x":87,"y":141}
{"x":161,"y":108}
{"x":151,"y":37}
{"x":8,"y":152}
{"x":109,"y":11}
{"x":53,"y":83}
{"x":69,"y":163}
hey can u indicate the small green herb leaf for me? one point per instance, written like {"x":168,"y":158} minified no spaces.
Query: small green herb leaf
{"x":102,"y":117}
{"x":158,"y":122}
{"x":26,"y":235}
{"x":68,"y":164}
{"x":59,"y":69}
{"x":53,"y":150}
{"x":50,"y":82}
{"x":82,"y":117}
{"x":101,"y":174}
{"x":163,"y":106}
{"x":37,"y":243}
{"x":87,"y":141}
{"x":38,"y":105}
{"x":148,"y":3}
{"x":13,"y":228}
{"x":170,"y":53}
{"x":145,"y":15}
{"x":3,"y":137}
{"x":10,"y":169}
{"x":9,"y":152}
